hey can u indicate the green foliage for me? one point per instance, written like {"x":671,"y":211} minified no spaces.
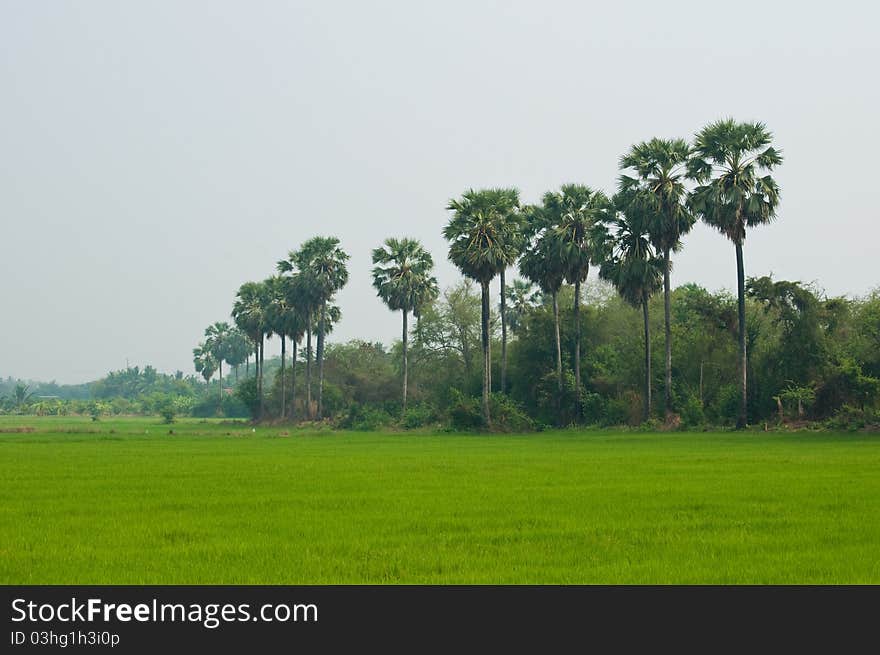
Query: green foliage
{"x":691,"y":412}
{"x":464,"y":412}
{"x":419,"y":416}
{"x":248,"y":393}
{"x":365,"y":417}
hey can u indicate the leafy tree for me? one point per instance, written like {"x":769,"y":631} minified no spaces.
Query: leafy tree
{"x":660,"y":166}
{"x":402,"y":277}
{"x":634,"y":269}
{"x":578,"y":213}
{"x":733,"y":196}
{"x":482,"y":242}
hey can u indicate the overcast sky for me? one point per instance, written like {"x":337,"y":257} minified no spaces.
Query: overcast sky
{"x":155,"y":155}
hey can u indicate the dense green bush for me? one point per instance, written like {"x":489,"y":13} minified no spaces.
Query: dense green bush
{"x":365,"y":417}
{"x":464,"y":412}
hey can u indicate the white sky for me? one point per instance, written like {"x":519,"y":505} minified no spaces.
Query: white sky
{"x":155,"y":155}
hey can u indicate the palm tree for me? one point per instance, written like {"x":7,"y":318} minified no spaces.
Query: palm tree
{"x":321,"y":262}
{"x":507,"y":205}
{"x":578,"y":212}
{"x":204,"y":362}
{"x":542,"y":264}
{"x":482,"y":243}
{"x":217,"y":340}
{"x":732,"y":195}
{"x":632,"y":266}
{"x":238,"y":349}
{"x":288,"y":320}
{"x":402,"y":277}
{"x":249,"y":314}
{"x":660,"y":166}
{"x":521,"y":298}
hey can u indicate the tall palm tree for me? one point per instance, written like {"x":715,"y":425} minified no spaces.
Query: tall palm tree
{"x":732,"y":195}
{"x":284,"y":320}
{"x":482,"y":243}
{"x":578,"y":213}
{"x":541,"y":264}
{"x":507,"y":204}
{"x":321,"y":262}
{"x":217,"y":338}
{"x":249,"y":314}
{"x":660,"y":166}
{"x":402,"y":277}
{"x":306,"y":298}
{"x":632,"y":266}
{"x":521,"y":298}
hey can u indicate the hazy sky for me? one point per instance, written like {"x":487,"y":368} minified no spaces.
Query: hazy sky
{"x":155,"y":155}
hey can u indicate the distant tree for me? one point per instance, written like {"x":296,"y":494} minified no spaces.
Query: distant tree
{"x":632,"y":266}
{"x":660,"y":166}
{"x":21,"y":396}
{"x":238,"y":349}
{"x":522,"y":297}
{"x":482,"y":242}
{"x":732,"y":196}
{"x":217,"y":338}
{"x":204,"y":362}
{"x":402,"y":278}
{"x":578,"y":212}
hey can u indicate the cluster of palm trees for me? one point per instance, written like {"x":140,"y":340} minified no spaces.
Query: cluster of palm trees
{"x":295,"y":303}
{"x":222,"y":343}
{"x":665,"y":186}
{"x":721,"y":178}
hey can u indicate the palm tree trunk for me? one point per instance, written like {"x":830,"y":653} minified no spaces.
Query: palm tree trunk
{"x":236,"y":373}
{"x":486,"y":363}
{"x":220,"y":391}
{"x":647,"y":357}
{"x":577,"y":350}
{"x":260,"y":378}
{"x":293,"y":380}
{"x":320,"y":356}
{"x":741,"y":420}
{"x":405,"y":362}
{"x":503,"y":337}
{"x":247,"y":366}
{"x":262,"y":352}
{"x":309,"y":367}
{"x":558,"y":341}
{"x":283,"y":357}
{"x":667,"y":396}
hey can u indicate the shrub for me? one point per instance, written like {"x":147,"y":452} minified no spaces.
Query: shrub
{"x":365,"y":417}
{"x":507,"y":415}
{"x":691,"y":412}
{"x":465,"y":412}
{"x":853,"y":418}
{"x":418,"y":416}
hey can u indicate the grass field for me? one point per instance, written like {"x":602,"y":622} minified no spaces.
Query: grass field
{"x":125,"y":502}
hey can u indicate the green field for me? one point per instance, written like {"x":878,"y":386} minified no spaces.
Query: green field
{"x":125,"y":502}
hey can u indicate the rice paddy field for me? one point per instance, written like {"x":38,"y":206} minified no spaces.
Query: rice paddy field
{"x":126,"y":502}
